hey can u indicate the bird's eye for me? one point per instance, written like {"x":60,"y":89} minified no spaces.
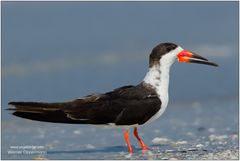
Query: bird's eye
{"x":169,"y":49}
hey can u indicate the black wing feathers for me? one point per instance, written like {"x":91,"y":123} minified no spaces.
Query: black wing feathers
{"x":123,"y":106}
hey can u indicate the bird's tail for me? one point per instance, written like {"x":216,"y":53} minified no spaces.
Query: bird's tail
{"x":47,"y":112}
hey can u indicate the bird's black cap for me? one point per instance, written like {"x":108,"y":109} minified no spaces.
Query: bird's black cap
{"x":159,"y":51}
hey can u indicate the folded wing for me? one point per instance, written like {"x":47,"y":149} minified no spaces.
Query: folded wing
{"x":127,"y":105}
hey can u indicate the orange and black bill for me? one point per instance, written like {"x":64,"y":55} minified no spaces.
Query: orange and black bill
{"x":188,"y":57}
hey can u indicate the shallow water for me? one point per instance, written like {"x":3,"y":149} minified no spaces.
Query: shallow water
{"x":196,"y":130}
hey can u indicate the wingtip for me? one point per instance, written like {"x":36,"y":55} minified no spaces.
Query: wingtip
{"x":215,"y":64}
{"x":11,"y":106}
{"x":15,"y":103}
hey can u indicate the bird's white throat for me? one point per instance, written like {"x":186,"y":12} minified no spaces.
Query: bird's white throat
{"x":159,"y":79}
{"x":158,"y":76}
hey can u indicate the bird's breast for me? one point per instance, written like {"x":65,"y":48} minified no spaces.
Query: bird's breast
{"x":163,"y":106}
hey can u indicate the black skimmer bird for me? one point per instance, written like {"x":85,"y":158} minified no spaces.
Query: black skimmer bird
{"x":128,"y":106}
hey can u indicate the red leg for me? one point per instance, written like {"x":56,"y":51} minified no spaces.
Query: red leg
{"x":144,"y":147}
{"x":127,"y":141}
